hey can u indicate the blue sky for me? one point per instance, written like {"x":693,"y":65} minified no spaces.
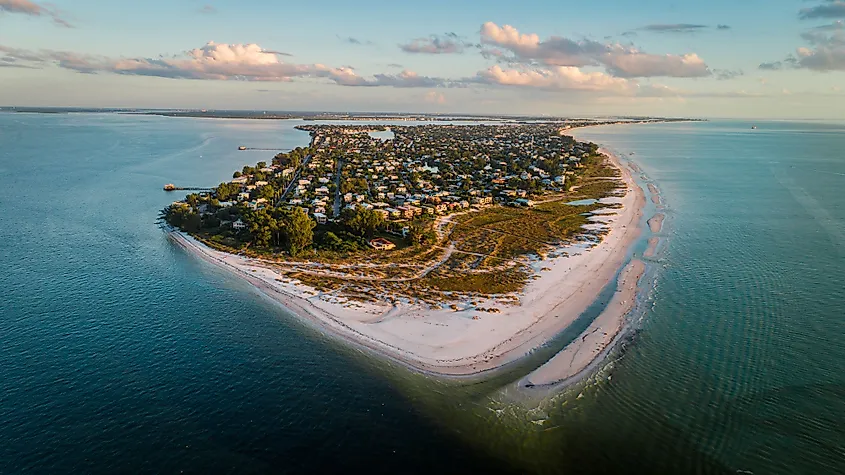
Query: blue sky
{"x":778,"y":58}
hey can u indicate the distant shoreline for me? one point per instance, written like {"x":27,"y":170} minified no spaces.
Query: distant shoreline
{"x":341,"y":116}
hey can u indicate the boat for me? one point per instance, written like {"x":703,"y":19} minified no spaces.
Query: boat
{"x":242,"y":148}
{"x":169,"y":187}
{"x":753,"y":127}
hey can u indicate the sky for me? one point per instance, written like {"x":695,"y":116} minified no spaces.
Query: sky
{"x":722,"y":58}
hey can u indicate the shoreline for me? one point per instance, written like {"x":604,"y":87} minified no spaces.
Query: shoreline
{"x":597,"y":339}
{"x":466,"y":343}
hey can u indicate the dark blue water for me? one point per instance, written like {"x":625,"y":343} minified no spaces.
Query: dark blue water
{"x":120,"y":353}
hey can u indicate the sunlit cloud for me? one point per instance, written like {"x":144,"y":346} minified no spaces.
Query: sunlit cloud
{"x":222,"y":62}
{"x":618,"y":60}
{"x":27,"y":7}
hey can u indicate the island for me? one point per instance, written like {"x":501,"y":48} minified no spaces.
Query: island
{"x":453,"y":249}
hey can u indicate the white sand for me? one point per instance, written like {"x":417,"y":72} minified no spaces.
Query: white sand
{"x":655,"y":224}
{"x":599,"y":336}
{"x":448,"y":342}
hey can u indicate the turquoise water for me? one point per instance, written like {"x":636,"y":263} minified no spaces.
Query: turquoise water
{"x":121,"y":353}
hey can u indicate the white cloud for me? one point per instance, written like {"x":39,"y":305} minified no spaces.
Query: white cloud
{"x":556,"y":78}
{"x":223,"y":62}
{"x":618,"y":60}
{"x":635,"y":64}
{"x":26,"y":7}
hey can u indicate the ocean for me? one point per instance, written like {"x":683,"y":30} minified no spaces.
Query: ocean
{"x":122,"y":353}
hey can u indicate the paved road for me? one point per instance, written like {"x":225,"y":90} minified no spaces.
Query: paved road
{"x":336,"y":213}
{"x":293,"y":180}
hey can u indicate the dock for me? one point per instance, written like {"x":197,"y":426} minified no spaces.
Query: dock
{"x":172,"y":187}
{"x":245,"y":148}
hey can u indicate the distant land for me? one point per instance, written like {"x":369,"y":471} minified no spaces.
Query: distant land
{"x":328,"y":115}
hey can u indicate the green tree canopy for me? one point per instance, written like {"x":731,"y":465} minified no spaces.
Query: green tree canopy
{"x":267,"y":192}
{"x":363,"y":221}
{"x":300,"y":231}
{"x":227,"y":191}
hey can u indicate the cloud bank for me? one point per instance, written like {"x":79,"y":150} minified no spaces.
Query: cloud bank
{"x":214,"y":61}
{"x":617,"y":59}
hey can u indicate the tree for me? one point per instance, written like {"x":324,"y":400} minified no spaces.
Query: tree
{"x":227,"y":191}
{"x":267,"y":192}
{"x":236,"y":174}
{"x":364,"y":222}
{"x":300,"y":231}
{"x":331,"y":242}
{"x":261,"y":165}
{"x":421,"y":232}
{"x":261,"y":227}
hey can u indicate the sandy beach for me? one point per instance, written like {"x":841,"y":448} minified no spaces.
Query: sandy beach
{"x":599,"y":336}
{"x":465,"y":342}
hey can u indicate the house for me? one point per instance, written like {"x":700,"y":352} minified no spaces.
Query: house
{"x":238,"y":225}
{"x":322,"y":190}
{"x":381,"y":244}
{"x":320,"y":218}
{"x":406,"y":212}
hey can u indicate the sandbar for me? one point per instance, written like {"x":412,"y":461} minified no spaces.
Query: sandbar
{"x":599,"y":336}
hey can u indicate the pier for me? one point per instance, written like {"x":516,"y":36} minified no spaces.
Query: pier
{"x":172,"y":187}
{"x":245,"y":148}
